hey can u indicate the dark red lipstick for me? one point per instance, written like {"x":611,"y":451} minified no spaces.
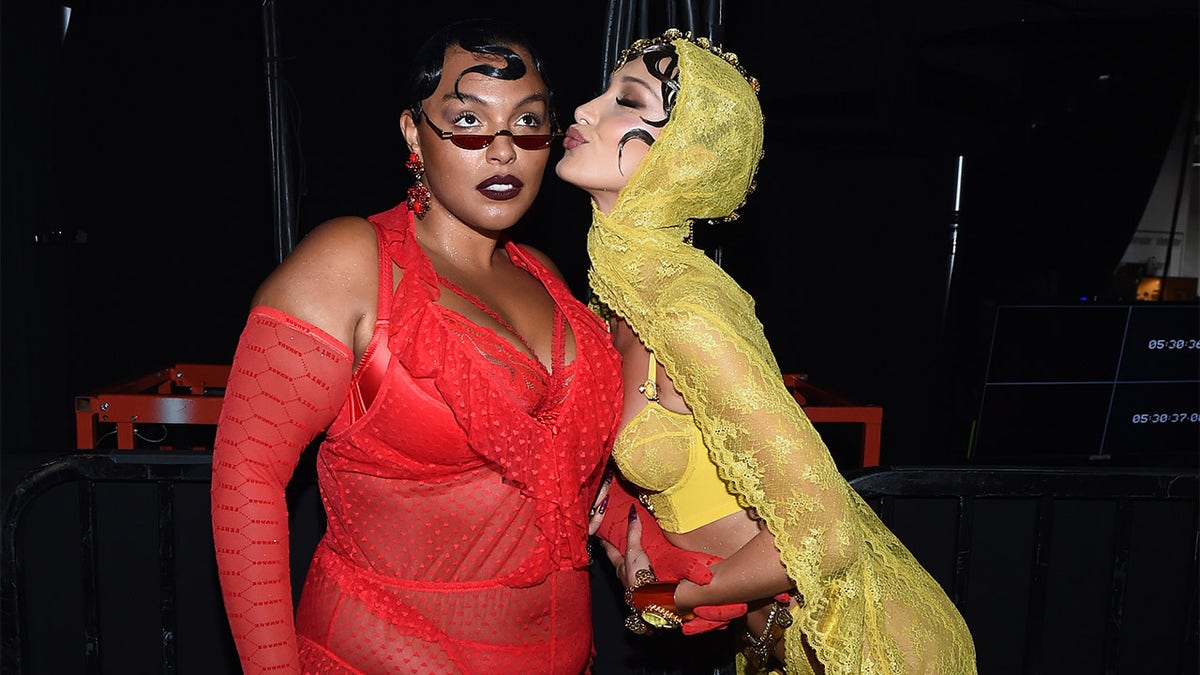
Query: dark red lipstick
{"x":500,"y":188}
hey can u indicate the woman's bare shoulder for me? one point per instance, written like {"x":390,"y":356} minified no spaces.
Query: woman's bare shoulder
{"x":330,"y":279}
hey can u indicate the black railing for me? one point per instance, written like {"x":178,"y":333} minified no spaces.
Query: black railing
{"x":165,"y":471}
{"x":108,"y":565}
{"x":1096,"y":564}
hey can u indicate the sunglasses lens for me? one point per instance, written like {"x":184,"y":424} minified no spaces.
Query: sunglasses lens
{"x":471,"y":141}
{"x":532,"y":141}
{"x":479,"y":142}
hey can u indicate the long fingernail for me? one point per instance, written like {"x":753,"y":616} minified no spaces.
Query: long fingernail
{"x":603,"y":505}
{"x":632,"y":513}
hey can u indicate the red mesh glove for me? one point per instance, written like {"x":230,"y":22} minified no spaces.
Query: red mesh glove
{"x":713,"y":617}
{"x":669,"y":562}
{"x":286,"y":385}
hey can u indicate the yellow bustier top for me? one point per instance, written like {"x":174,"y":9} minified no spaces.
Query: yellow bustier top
{"x":663,"y":453}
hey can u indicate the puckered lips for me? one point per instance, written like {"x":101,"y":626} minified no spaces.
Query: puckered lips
{"x":573,"y":139}
{"x":500,"y":188}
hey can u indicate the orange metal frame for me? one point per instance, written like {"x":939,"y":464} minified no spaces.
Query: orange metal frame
{"x":179,"y":394}
{"x":822,"y":405}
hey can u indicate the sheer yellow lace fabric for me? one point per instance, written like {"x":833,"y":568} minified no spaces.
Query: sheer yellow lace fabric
{"x":868,"y":606}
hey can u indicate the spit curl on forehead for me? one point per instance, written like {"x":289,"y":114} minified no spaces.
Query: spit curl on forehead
{"x":662,"y":62}
{"x":483,"y":37}
{"x":702,"y":165}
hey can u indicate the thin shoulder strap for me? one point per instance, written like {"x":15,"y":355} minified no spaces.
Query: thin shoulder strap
{"x":649,"y":388}
{"x":383,"y":310}
{"x":369,"y":378}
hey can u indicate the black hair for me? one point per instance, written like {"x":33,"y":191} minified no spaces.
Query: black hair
{"x":652,"y":55}
{"x":478,"y":36}
{"x":668,"y":75}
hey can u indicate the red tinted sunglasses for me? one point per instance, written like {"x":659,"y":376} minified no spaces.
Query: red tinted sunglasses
{"x":481,"y":141}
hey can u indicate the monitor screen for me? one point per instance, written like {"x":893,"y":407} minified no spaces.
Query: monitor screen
{"x":1092,"y":382}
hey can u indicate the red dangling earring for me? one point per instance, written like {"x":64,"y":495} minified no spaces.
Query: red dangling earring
{"x":418,"y":194}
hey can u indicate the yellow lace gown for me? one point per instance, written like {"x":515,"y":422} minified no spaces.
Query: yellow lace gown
{"x":868,"y":605}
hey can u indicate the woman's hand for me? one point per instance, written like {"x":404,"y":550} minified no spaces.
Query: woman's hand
{"x":668,"y":563}
{"x":600,"y":506}
{"x":634,"y":557}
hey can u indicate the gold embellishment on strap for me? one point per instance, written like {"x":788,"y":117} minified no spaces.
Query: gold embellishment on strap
{"x":649,"y":389}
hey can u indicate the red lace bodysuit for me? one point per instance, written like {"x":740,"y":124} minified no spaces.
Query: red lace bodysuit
{"x":457,"y":474}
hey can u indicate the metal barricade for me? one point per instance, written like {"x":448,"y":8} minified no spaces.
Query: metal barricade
{"x":108,"y":563}
{"x":1056,"y":570}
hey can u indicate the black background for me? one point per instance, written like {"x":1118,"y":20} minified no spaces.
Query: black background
{"x":137,"y":203}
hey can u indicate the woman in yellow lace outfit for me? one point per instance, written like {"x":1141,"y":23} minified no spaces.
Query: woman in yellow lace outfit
{"x":677,"y":138}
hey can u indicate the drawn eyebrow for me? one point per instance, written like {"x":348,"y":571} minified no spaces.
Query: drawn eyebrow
{"x":630,"y":79}
{"x":537,"y":97}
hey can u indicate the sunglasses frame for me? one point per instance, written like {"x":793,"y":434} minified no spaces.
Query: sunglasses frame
{"x":522,"y":141}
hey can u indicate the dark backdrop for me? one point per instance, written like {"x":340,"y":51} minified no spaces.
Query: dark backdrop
{"x":137,"y":204}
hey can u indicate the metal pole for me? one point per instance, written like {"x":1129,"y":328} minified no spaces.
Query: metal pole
{"x":954,"y":222}
{"x":281,"y":171}
{"x":1185,"y":156}
{"x":714,"y":19}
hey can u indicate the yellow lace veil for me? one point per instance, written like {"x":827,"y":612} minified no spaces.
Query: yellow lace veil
{"x":868,"y":605}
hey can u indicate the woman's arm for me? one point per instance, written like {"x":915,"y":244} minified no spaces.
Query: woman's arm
{"x":754,"y":572}
{"x":290,"y":376}
{"x":287,"y":382}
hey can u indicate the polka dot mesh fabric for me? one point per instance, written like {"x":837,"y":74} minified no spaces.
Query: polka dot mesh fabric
{"x":457,"y":504}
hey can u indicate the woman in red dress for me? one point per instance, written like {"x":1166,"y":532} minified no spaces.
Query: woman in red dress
{"x":469,"y":403}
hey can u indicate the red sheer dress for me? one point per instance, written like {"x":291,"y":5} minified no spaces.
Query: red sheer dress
{"x":456,"y":474}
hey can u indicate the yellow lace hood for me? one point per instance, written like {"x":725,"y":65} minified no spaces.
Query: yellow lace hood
{"x":701,"y":168}
{"x":869,"y":607}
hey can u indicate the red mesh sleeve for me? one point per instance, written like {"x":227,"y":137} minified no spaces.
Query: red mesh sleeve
{"x":286,"y":385}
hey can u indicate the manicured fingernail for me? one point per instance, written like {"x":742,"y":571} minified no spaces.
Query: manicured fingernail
{"x":632,"y":513}
{"x":603,"y":505}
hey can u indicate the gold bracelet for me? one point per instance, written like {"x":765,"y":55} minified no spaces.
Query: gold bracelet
{"x":759,"y":650}
{"x":635,"y":622}
{"x":655,"y":603}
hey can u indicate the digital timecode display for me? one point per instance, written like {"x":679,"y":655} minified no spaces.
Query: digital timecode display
{"x":1092,"y":381}
{"x":1161,"y":343}
{"x":1173,"y":343}
{"x":1150,"y":415}
{"x":1165,"y":418}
